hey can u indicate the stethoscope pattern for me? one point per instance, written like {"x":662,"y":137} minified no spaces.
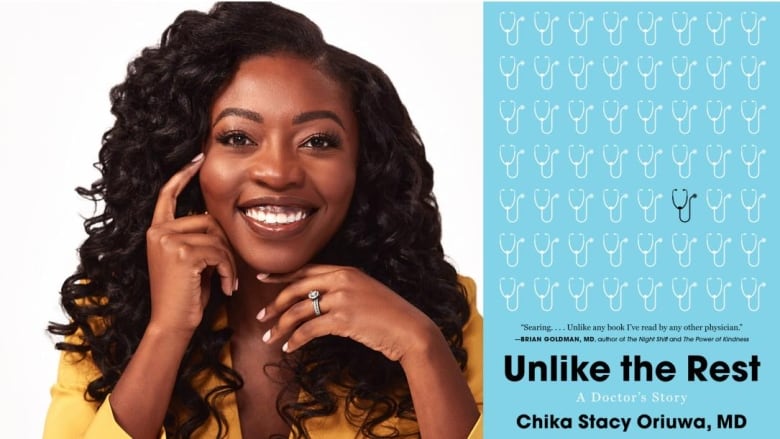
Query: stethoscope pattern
{"x":668,"y":214}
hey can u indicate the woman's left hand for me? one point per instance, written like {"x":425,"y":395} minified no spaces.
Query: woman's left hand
{"x":353,"y":305}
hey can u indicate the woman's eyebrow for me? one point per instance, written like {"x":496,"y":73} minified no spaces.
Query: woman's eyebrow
{"x":319,"y":114}
{"x":240,"y":112}
{"x":297,"y":119}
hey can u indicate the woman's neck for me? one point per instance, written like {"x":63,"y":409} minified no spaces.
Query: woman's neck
{"x":251,"y":296}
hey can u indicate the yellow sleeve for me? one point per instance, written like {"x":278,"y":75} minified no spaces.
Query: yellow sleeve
{"x":70,"y":416}
{"x":472,"y":342}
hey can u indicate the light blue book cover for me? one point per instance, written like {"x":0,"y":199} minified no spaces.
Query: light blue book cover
{"x":631,"y":219}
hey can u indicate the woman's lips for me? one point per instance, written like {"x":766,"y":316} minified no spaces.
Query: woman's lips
{"x":277,"y":221}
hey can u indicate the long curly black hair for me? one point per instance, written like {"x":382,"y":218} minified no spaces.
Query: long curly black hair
{"x":392,"y":230}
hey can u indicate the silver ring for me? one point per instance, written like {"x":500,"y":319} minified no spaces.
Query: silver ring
{"x":314,"y":295}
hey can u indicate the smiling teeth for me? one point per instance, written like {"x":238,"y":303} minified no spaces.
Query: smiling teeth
{"x":276,"y":214}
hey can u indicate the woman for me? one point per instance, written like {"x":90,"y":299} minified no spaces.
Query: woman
{"x":268,"y":260}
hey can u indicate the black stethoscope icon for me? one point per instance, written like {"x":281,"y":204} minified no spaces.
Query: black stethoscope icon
{"x":686,"y":204}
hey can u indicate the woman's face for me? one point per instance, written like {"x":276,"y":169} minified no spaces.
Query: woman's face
{"x":280,"y":162}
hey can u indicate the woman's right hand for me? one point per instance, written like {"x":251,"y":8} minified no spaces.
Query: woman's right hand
{"x":182,"y":254}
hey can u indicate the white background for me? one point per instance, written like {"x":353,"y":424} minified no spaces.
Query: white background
{"x":57,"y":65}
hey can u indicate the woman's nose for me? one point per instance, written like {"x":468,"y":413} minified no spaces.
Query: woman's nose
{"x":277,"y":166}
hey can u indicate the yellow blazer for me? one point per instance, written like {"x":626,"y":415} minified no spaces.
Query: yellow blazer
{"x":71,"y":416}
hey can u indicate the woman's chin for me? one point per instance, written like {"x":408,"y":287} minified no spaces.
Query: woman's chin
{"x":275,"y":266}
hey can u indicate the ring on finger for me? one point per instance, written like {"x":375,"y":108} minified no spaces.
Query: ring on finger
{"x":314,"y":295}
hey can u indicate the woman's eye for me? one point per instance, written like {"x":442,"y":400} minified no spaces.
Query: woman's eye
{"x":234,"y":139}
{"x":322,"y":141}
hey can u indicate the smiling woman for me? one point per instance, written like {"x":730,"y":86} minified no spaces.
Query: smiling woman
{"x":280,"y":161}
{"x":268,"y":262}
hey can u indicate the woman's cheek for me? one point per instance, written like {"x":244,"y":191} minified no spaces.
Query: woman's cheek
{"x":217,"y":182}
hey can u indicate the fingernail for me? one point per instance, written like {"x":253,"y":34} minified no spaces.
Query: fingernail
{"x":261,"y":314}
{"x":235,"y":284}
{"x":198,"y":158}
{"x":284,"y":347}
{"x":262,"y":276}
{"x":267,"y":336}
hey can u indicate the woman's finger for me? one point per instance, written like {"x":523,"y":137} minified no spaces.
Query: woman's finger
{"x":165,"y":209}
{"x":293,"y":317}
{"x":201,"y":251}
{"x":305,"y":271}
{"x":205,"y":224}
{"x":309,"y":330}
{"x":329,"y":282}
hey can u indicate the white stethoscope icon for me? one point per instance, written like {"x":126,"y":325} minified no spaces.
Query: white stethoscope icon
{"x":545,"y":291}
{"x":544,"y":67}
{"x":615,"y":28}
{"x":613,"y":111}
{"x":615,"y":205}
{"x":544,"y":24}
{"x":510,"y":67}
{"x":580,"y":164}
{"x":581,"y":72}
{"x":614,"y":248}
{"x":753,"y":172}
{"x":685,"y":290}
{"x":582,"y":249}
{"x":615,"y":164}
{"x":648,"y":69}
{"x":579,"y":112}
{"x":509,"y":287}
{"x":682,"y":24}
{"x":682,"y":67}
{"x":651,"y":161}
{"x":580,"y":291}
{"x":579,"y":27}
{"x":614,"y":293}
{"x":682,"y":156}
{"x":544,"y":111}
{"x":750,"y":293}
{"x":545,"y":204}
{"x":649,"y":252}
{"x":683,"y":251}
{"x":648,"y":209}
{"x":544,"y":245}
{"x":753,"y":84}
{"x":716,"y":68}
{"x":719,"y":160}
{"x":716,"y":23}
{"x":581,"y":206}
{"x":717,"y":204}
{"x":717,"y":290}
{"x":681,"y":111}
{"x":613,"y":68}
{"x":509,"y":22}
{"x":509,"y":156}
{"x":647,"y":112}
{"x":754,"y":206}
{"x":651,"y":292}
{"x":751,"y":111}
{"x":751,"y":250}
{"x":509,"y":111}
{"x":716,"y":112}
{"x":751,"y":26}
{"x":509,"y":243}
{"x":510,"y":199}
{"x":648,"y":29}
{"x":545,"y":161}
{"x":716,"y":245}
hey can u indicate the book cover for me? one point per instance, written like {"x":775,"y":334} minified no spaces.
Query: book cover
{"x":629,"y":239}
